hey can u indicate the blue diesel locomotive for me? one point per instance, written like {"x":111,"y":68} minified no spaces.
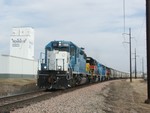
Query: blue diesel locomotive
{"x":64,"y":66}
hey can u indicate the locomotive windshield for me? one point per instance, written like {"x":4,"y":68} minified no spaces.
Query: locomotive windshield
{"x":60,"y":46}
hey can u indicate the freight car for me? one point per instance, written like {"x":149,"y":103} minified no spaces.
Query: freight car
{"x":66,"y":65}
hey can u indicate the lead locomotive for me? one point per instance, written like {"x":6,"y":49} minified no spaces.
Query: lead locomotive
{"x":64,"y":66}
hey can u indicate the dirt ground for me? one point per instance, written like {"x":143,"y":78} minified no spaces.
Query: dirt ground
{"x":11,"y":86}
{"x":126,"y":97}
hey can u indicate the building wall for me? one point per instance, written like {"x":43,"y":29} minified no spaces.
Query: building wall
{"x":4,"y":65}
{"x":16,"y":67}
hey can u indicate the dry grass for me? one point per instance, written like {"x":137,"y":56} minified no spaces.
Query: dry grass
{"x":10,"y":86}
{"x":16,"y":81}
{"x":126,"y":97}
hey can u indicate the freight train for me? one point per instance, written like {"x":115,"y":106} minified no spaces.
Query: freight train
{"x":67,"y":65}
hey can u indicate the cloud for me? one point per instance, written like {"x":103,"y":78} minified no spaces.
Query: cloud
{"x":95,"y":25}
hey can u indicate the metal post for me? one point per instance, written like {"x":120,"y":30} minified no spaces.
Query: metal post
{"x":148,"y":48}
{"x":135,"y":65}
{"x":130,"y":55}
{"x":130,"y":59}
{"x":143,"y":68}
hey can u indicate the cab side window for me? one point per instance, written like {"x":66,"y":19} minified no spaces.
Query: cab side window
{"x":72,"y":51}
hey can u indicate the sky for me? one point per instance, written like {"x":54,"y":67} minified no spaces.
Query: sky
{"x":96,"y":25}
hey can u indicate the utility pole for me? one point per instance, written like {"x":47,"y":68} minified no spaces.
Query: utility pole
{"x":130,"y":55}
{"x":129,"y":40}
{"x":148,"y":48}
{"x":135,"y":65}
{"x":130,"y":59}
{"x":143,"y":68}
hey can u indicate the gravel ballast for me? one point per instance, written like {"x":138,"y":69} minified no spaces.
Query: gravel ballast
{"x":84,"y":100}
{"x":118,"y":96}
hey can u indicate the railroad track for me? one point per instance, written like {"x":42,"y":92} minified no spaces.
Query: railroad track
{"x":8,"y":103}
{"x":19,"y":101}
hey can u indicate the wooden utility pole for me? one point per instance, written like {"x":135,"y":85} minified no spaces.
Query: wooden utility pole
{"x":130,"y":55}
{"x":135,"y":65}
{"x":148,"y":49}
{"x":143,"y":68}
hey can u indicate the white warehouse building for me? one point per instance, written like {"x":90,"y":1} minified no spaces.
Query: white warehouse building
{"x":20,"y":63}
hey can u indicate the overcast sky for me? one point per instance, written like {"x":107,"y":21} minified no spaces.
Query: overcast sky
{"x":96,"y":25}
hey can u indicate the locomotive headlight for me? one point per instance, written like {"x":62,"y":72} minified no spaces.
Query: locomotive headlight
{"x":44,"y":67}
{"x":59,"y":67}
{"x":59,"y":43}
